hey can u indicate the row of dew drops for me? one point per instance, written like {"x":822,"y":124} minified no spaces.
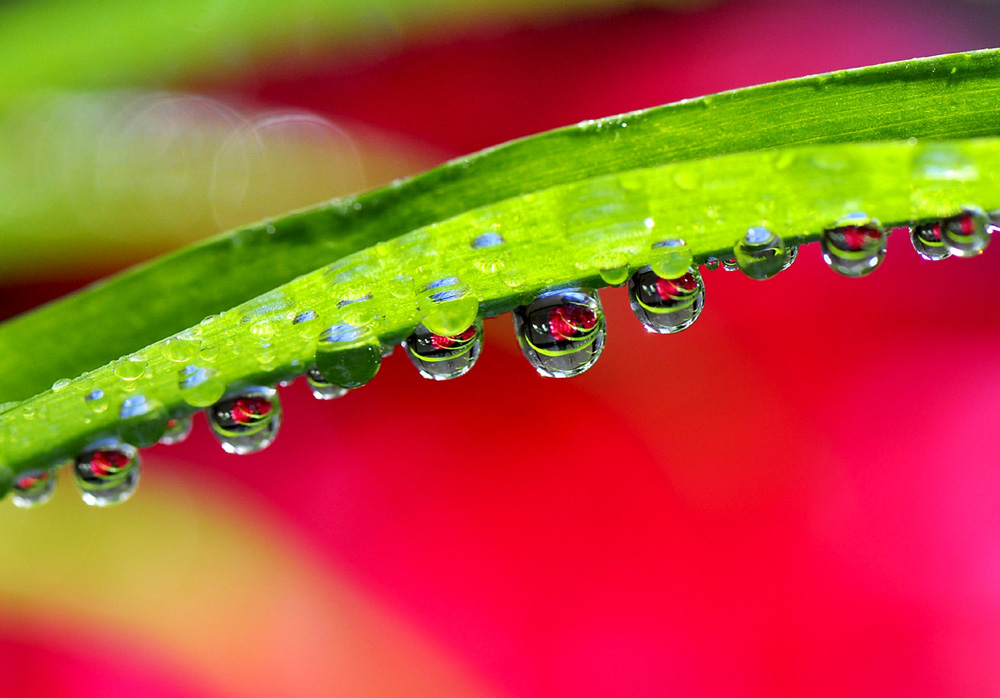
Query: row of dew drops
{"x":561,"y":333}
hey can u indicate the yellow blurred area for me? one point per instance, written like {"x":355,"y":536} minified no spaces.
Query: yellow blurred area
{"x":89,"y":183}
{"x":218,"y":589}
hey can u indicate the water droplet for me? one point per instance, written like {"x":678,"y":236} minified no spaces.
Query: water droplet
{"x":855,"y":246}
{"x":200,"y":386}
{"x":401,"y":286}
{"x":670,"y":258}
{"x":447,"y":307}
{"x":967,"y":234}
{"x":729,"y":264}
{"x":60,"y":384}
{"x":761,"y":254}
{"x":180,"y":349}
{"x":712,"y":263}
{"x":107,"y":472}
{"x":131,"y":369}
{"x":561,"y":333}
{"x":348,"y":356}
{"x":487,"y":240}
{"x":178,"y":429}
{"x":143,"y":421}
{"x":441,"y":357}
{"x":304,"y":317}
{"x":321,"y":388}
{"x":664,"y":305}
{"x":926,"y":239}
{"x":96,"y":401}
{"x":246,"y":422}
{"x":33,"y":487}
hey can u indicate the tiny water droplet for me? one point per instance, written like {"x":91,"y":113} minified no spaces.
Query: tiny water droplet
{"x":107,"y":472}
{"x":131,"y":369}
{"x":178,"y":429}
{"x":401,"y":286}
{"x":926,"y":239}
{"x":967,"y":234}
{"x":666,"y":306}
{"x":487,"y":240}
{"x":348,"y":356}
{"x":143,"y":421}
{"x":760,"y":254}
{"x":670,"y":258}
{"x":712,"y":263}
{"x":855,"y":247}
{"x":729,"y":264}
{"x":321,"y":388}
{"x":561,"y":333}
{"x":441,"y":357}
{"x":96,"y":401}
{"x":200,"y":386}
{"x":33,"y":487}
{"x":246,"y":422}
{"x":180,"y":349}
{"x":60,"y":384}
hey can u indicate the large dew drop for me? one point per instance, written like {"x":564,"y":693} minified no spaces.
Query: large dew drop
{"x":967,"y":234}
{"x":348,"y":356}
{"x":443,"y":357}
{"x":926,"y":239}
{"x":855,"y":246}
{"x":246,"y":422}
{"x":107,"y":473}
{"x":33,"y":487}
{"x":665,"y":306}
{"x":760,"y":254}
{"x":562,"y":332}
{"x":322,"y":389}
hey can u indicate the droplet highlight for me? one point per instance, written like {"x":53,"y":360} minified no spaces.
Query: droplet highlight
{"x":107,"y":472}
{"x":443,"y":357}
{"x":855,"y":247}
{"x":666,"y":306}
{"x":246,"y":422}
{"x":561,"y":333}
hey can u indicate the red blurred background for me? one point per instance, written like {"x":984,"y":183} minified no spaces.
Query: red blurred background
{"x":797,"y":496}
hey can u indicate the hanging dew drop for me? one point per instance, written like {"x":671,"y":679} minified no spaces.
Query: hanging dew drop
{"x":666,"y":306}
{"x":33,"y":487}
{"x":712,"y":263}
{"x":200,"y":386}
{"x":442,"y":357}
{"x":561,"y":333}
{"x":348,"y":356}
{"x":321,"y":388}
{"x":855,"y":247}
{"x":143,"y":421}
{"x":729,"y":264}
{"x":246,"y":422}
{"x":967,"y":234}
{"x":107,"y":472}
{"x":760,"y":254}
{"x":178,"y":429}
{"x":926,"y":239}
